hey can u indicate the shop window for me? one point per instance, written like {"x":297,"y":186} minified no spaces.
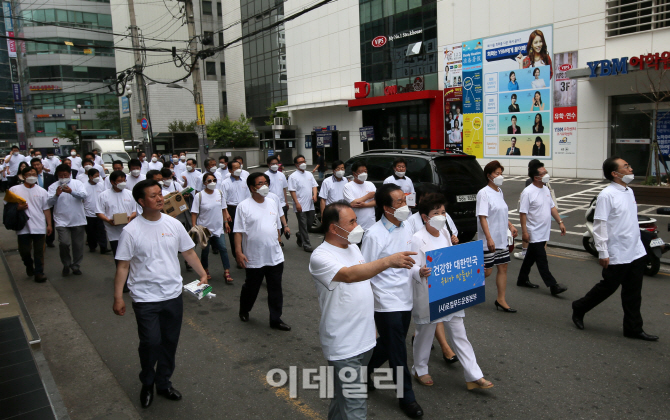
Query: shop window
{"x":207,"y":8}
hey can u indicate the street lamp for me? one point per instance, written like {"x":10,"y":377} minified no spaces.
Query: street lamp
{"x":79,"y":112}
{"x":202,"y":132}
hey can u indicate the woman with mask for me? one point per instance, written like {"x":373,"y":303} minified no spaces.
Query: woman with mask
{"x":434,"y":235}
{"x":209,"y":210}
{"x":492,"y":225}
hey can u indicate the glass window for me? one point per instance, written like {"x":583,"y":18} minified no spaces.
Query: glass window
{"x":414,"y":3}
{"x":223,"y":68}
{"x":50,"y":15}
{"x":400,"y":6}
{"x":105,"y":21}
{"x":61,"y":15}
{"x":389,"y":8}
{"x":38,"y":15}
{"x":91,"y":18}
{"x":224,"y":98}
{"x":207,"y":8}
{"x":365,"y":12}
{"x":219,"y":11}
{"x":220,"y":37}
{"x":210,"y":68}
{"x":376,"y":10}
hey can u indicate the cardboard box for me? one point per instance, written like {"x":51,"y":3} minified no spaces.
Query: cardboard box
{"x":120,"y":219}
{"x":174,"y":204}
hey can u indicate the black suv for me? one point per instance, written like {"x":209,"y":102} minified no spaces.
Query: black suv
{"x":458,"y":176}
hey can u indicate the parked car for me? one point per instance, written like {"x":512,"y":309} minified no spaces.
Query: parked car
{"x":110,"y":156}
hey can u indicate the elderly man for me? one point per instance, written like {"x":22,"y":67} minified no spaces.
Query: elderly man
{"x":303,"y":186}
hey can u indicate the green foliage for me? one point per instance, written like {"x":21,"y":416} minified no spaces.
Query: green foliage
{"x":110,"y":120}
{"x":71,"y":136}
{"x":179,"y":126}
{"x":225,"y":132}
{"x":273,"y":113}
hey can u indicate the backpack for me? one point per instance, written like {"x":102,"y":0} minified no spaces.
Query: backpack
{"x":13,"y":218}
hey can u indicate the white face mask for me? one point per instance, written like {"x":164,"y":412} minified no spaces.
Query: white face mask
{"x":154,"y":159}
{"x":399,"y":174}
{"x":438,"y":222}
{"x":182,"y":158}
{"x":167,"y":182}
{"x":121,"y":185}
{"x":498,"y":181}
{"x":402,"y":213}
{"x":362,"y":177}
{"x":189,"y":168}
{"x":627,"y":179}
{"x":302,"y":166}
{"x":87,"y":168}
{"x":263,"y":191}
{"x":339,"y":174}
{"x":73,"y":153}
{"x":354,"y":236}
{"x":135,"y":172}
{"x":211,"y":186}
{"x":160,"y":183}
{"x":241,"y":166}
{"x":31,"y":179}
{"x":97,"y":180}
{"x":64,"y":181}
{"x":274,"y":168}
{"x":175,"y":160}
{"x":237,"y":172}
{"x":222,"y":166}
{"x":38,"y":156}
{"x":545,"y":179}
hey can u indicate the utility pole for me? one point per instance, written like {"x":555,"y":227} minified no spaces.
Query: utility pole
{"x":141,"y":88}
{"x":197,"y":83}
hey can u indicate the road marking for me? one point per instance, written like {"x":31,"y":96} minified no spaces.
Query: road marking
{"x":281,"y":393}
{"x":566,"y":258}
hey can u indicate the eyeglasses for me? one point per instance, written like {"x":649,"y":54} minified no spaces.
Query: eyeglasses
{"x":260,"y":184}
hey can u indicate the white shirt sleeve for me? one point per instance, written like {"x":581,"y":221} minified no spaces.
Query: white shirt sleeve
{"x":419,"y":260}
{"x":482,"y":204}
{"x":600,"y":237}
{"x":323,"y":193}
{"x":524,"y":204}
{"x":125,"y":250}
{"x":348,"y":195}
{"x":195,"y":208}
{"x":370,"y":248}
{"x":324,"y":268}
{"x":239,"y":225}
{"x":292,"y":184}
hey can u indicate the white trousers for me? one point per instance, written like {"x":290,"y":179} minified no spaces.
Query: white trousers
{"x":455,"y":331}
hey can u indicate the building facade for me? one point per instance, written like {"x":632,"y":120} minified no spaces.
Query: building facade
{"x":9,"y":77}
{"x":501,"y":80}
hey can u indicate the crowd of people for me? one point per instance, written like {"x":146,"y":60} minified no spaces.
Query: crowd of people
{"x":368,"y":295}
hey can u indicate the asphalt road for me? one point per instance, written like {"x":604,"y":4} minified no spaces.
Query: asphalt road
{"x":541,"y":365}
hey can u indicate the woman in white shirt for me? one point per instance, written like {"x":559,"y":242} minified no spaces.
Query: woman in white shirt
{"x":537,"y":83}
{"x":492,"y":225}
{"x":434,"y":235}
{"x":209,"y":210}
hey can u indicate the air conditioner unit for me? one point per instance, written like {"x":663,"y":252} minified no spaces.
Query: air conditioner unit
{"x":279,"y":121}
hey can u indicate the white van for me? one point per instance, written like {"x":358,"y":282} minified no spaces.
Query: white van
{"x":110,"y":150}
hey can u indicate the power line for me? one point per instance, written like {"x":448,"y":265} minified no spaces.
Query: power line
{"x":169,"y":50}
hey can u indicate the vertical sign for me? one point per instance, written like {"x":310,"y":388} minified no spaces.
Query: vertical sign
{"x":473,"y":139}
{"x":453,"y":93}
{"x":200,"y":108}
{"x":565,"y":105}
{"x":9,"y":28}
{"x":125,"y":105}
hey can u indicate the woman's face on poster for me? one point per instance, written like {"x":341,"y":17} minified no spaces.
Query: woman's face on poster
{"x":513,"y":100}
{"x":537,"y":44}
{"x":537,"y":97}
{"x":537,"y":119}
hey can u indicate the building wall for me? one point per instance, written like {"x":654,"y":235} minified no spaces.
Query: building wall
{"x":234,"y":59}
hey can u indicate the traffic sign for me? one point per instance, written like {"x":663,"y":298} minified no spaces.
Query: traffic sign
{"x":55,"y":140}
{"x":145,"y":124}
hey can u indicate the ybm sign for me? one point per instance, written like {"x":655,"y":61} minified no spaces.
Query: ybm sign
{"x":620,"y":65}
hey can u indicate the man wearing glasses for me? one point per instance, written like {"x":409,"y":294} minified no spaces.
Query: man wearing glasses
{"x":257,"y":250}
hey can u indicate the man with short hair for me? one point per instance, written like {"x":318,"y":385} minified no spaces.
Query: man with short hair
{"x":361,"y":195}
{"x":155,"y":175}
{"x":136,"y":175}
{"x":222,"y":173}
{"x":97,"y":158}
{"x":192,"y":177}
{"x":169,"y":184}
{"x":117,"y":199}
{"x":12,"y":162}
{"x":211,"y":167}
{"x":513,"y":150}
{"x":303,"y":186}
{"x":245,"y":174}
{"x":117,"y":165}
{"x":67,"y":198}
{"x":86,"y":165}
{"x":44,"y":179}
{"x":278,"y":184}
{"x":399,"y":178}
{"x":142,"y":156}
{"x":392,"y":289}
{"x":75,"y":162}
{"x":622,"y":255}
{"x":320,"y":164}
{"x":38,"y":226}
{"x":332,"y":188}
{"x":180,"y":166}
{"x":235,"y":190}
{"x":257,"y":250}
{"x":155,"y":164}
{"x":51,"y":162}
{"x":342,"y":278}
{"x":147,"y":258}
{"x":100,"y":168}
{"x":536,"y":209}
{"x":95,"y":229}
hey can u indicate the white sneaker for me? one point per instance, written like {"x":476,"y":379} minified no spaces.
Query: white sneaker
{"x":518,"y":255}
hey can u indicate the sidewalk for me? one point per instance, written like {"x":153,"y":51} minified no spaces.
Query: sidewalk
{"x":79,"y":384}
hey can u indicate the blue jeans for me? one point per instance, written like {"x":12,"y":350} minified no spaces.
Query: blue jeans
{"x":321,"y":174}
{"x":218,"y":242}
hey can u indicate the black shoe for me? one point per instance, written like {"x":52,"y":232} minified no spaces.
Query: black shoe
{"x":51,"y":245}
{"x":308,"y":248}
{"x":450,"y":361}
{"x":40,"y":278}
{"x":577,"y":317}
{"x":557,"y":289}
{"x":76,"y":271}
{"x":105,"y":251}
{"x":527,"y":283}
{"x":499,"y":306}
{"x":280,"y":326}
{"x":244,"y":316}
{"x":642,"y":336}
{"x":170,"y":394}
{"x":413,"y":409}
{"x":66,"y":271}
{"x":299,"y":241}
{"x":146,"y":395}
{"x":30,"y":271}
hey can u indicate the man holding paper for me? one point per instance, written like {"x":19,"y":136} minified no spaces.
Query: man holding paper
{"x":112,"y":205}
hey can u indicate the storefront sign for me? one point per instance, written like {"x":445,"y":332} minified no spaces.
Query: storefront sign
{"x":125,"y":105}
{"x":618,"y":66}
{"x":361,"y":90}
{"x":7,"y":12}
{"x":379,"y":41}
{"x":416,"y":86}
{"x":14,"y":69}
{"x":324,"y":139}
{"x":48,"y":115}
{"x":11,"y":44}
{"x":663,"y":133}
{"x":633,"y":141}
{"x":367,"y":133}
{"x":16,"y":90}
{"x":565,"y":105}
{"x":45,"y":87}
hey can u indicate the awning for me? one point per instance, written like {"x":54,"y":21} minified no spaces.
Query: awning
{"x":399,"y":99}
{"x":324,"y":104}
{"x":98,"y":133}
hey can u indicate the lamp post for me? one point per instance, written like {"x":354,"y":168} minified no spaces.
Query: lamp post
{"x":79,"y":112}
{"x":202,"y":131}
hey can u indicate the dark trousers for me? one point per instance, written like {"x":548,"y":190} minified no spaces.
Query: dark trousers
{"x":34,"y":243}
{"x":285,"y":209}
{"x":52,"y":238}
{"x":114,"y":245}
{"x":392,"y":328}
{"x":231,"y":235}
{"x":536,"y":254}
{"x":629,"y":276}
{"x":305,"y":220}
{"x":252,"y":284}
{"x":95,"y":233}
{"x":11,"y":181}
{"x":158,"y":327}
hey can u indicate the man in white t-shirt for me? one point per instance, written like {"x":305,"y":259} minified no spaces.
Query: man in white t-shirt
{"x":278,"y":184}
{"x":95,"y":228}
{"x":142,"y":156}
{"x":155,"y":164}
{"x":180,"y":165}
{"x":535,"y":211}
{"x":38,"y":226}
{"x":51,"y":162}
{"x":97,"y":158}
{"x":91,"y":156}
{"x":117,"y":199}
{"x":257,"y":250}
{"x":75,"y":162}
{"x":222,"y":173}
{"x":342,"y":279}
{"x":67,"y":198}
{"x":192,"y":178}
{"x":135,"y":176}
{"x":622,"y":255}
{"x":332,"y":188}
{"x":148,"y":257}
{"x":392,"y":290}
{"x":117,"y":165}
{"x":399,"y":178}
{"x":12,"y":162}
{"x":361,"y":195}
{"x":303,"y":187}
{"x":245,"y":173}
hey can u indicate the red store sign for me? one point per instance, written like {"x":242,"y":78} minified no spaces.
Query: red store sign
{"x":45,"y":87}
{"x":379,"y":41}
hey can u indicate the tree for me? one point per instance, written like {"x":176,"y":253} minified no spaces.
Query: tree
{"x":179,"y":126}
{"x":273,"y":113}
{"x":225,"y":132}
{"x":71,"y":136}
{"x":110,"y":119}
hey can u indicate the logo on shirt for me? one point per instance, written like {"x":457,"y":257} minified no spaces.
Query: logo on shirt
{"x":167,"y":235}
